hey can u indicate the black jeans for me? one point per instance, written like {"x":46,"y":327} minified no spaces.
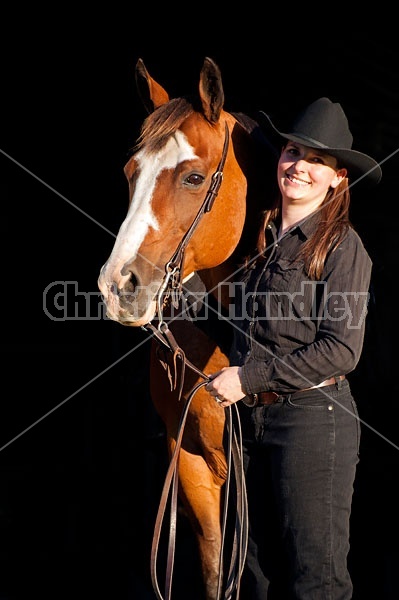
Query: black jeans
{"x":300,"y":458}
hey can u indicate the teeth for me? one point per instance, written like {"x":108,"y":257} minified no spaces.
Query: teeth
{"x":297,"y":181}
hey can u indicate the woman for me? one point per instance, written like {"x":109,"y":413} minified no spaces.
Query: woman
{"x":299,"y":329}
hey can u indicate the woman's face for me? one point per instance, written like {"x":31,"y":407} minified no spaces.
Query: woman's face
{"x":305,"y":174}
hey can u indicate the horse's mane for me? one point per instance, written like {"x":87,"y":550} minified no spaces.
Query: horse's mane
{"x":167,"y":118}
{"x":257,"y":134}
{"x":162,"y":123}
{"x":249,"y":124}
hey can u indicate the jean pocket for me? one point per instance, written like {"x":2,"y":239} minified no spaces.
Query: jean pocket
{"x":313,"y":400}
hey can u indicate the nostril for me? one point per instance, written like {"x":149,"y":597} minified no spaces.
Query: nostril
{"x":127,"y":292}
{"x":129,"y":287}
{"x":131,"y":284}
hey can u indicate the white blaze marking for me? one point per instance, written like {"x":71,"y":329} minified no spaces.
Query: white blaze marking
{"x":140,"y":216}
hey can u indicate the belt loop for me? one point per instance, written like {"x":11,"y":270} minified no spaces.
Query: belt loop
{"x":338,"y":382}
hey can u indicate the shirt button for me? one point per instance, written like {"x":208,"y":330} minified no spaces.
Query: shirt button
{"x":330,"y":407}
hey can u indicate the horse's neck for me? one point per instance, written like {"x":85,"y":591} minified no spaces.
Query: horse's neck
{"x":258,"y":161}
{"x":215,"y":278}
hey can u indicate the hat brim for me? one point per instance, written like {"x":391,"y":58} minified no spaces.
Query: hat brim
{"x":359,"y":165}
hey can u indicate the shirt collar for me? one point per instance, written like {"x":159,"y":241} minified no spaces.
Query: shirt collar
{"x":308,"y":224}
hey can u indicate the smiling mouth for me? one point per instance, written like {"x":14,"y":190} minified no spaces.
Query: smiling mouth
{"x":297,"y":181}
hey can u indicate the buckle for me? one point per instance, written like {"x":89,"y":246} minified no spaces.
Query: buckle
{"x":251,"y":400}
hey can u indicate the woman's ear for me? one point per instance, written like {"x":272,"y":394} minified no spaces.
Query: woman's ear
{"x":339,"y":176}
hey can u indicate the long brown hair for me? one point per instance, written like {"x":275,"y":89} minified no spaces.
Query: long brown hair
{"x":334,"y":223}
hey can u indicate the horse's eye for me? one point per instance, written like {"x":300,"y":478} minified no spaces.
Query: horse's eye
{"x":194,"y":179}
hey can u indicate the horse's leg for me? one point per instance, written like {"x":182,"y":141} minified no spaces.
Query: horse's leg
{"x":202,"y":462}
{"x":201,"y":497}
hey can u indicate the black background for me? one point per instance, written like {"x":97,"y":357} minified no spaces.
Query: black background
{"x":81,"y":451}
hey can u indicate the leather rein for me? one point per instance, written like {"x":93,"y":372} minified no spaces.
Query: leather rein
{"x":171,"y":288}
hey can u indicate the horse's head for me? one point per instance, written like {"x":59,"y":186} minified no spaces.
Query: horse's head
{"x":178,"y":220}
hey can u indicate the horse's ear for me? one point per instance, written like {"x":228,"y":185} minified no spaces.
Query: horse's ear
{"x":211,"y":90}
{"x":151,"y":93}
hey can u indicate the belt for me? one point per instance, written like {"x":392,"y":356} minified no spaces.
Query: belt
{"x":266,"y":398}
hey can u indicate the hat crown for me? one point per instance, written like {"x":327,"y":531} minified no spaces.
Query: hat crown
{"x":324,"y":123}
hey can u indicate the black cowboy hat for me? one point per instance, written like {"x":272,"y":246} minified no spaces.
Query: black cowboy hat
{"x":323,"y":125}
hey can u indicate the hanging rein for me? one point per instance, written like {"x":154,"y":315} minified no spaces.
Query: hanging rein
{"x":171,"y":288}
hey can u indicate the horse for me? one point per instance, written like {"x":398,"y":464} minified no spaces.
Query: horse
{"x":199,"y":178}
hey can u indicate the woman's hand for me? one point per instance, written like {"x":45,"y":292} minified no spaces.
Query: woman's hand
{"x":225,"y":386}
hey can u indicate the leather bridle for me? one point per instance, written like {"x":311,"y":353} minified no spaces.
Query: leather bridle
{"x":172,"y":280}
{"x":171,"y":287}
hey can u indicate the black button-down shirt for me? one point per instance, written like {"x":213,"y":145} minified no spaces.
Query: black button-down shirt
{"x":292,"y":332}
